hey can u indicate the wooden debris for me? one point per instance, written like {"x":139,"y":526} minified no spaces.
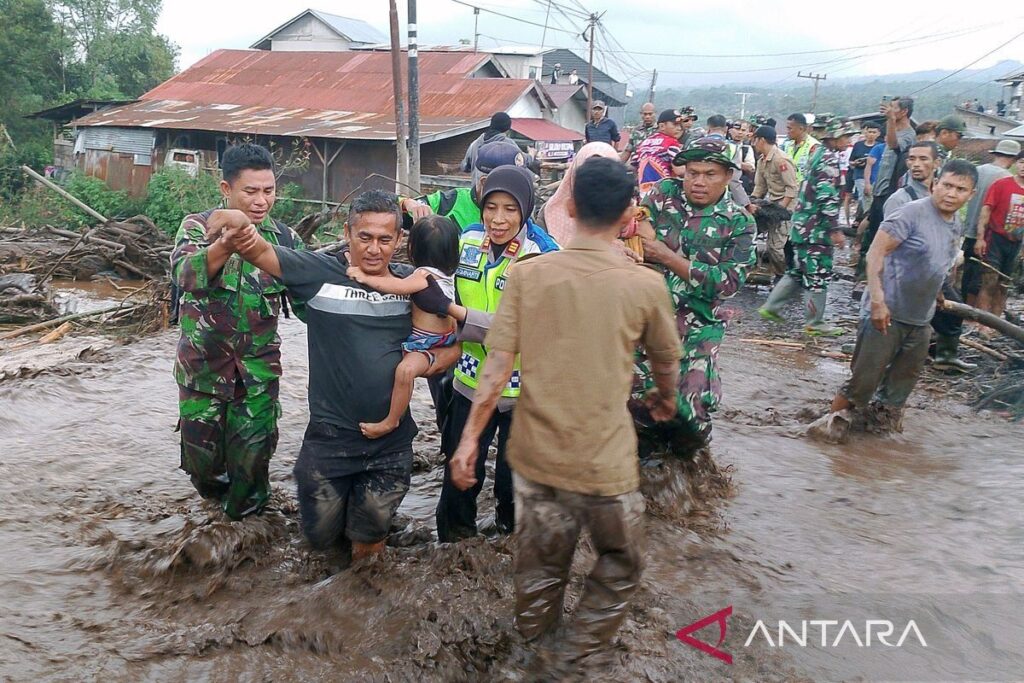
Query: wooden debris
{"x":57,"y":321}
{"x":985,"y":318}
{"x":970,"y":343}
{"x":56,"y":334}
{"x":772,"y":342}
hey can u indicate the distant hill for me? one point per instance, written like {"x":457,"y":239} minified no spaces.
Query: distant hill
{"x":842,"y":96}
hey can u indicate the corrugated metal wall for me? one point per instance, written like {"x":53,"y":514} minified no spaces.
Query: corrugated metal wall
{"x":122,"y":157}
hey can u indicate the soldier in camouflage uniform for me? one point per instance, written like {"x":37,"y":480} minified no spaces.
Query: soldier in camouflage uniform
{"x":814,"y":234}
{"x":646,"y":129}
{"x":691,"y":131}
{"x":229,"y":359}
{"x":705,"y":246}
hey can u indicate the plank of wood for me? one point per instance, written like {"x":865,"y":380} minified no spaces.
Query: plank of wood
{"x":772,"y":342}
{"x":977,"y":346}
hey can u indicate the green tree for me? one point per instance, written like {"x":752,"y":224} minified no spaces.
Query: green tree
{"x":30,"y":71}
{"x":110,"y":48}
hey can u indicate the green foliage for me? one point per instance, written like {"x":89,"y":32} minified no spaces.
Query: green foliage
{"x":172,"y":194}
{"x":36,"y":205}
{"x":30,"y":73}
{"x":288,"y":211}
{"x":13,"y":180}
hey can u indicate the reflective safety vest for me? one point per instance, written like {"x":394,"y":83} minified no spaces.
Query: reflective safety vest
{"x":801,"y":155}
{"x":479,"y":285}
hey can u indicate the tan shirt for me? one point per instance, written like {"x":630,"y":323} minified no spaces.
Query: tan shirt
{"x":576,"y":316}
{"x":775,"y":177}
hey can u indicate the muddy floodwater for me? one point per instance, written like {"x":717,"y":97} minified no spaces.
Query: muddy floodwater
{"x":112,"y":569}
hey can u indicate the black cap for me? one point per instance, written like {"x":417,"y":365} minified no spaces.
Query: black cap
{"x":669,"y":115}
{"x":501,"y":122}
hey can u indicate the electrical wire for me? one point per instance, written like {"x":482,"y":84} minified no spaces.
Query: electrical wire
{"x":968,"y":65}
{"x":508,"y":16}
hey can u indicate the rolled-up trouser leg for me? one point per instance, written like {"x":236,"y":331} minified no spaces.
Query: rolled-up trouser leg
{"x":202,"y":422}
{"x":616,"y":530}
{"x":901,"y":375}
{"x":250,"y":440}
{"x":546,"y":530}
{"x":778,"y":235}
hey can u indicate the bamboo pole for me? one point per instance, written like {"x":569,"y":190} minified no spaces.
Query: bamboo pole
{"x":65,"y":194}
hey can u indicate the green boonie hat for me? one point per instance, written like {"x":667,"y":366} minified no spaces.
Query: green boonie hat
{"x":837,"y":128}
{"x":707,"y":148}
{"x":953,"y":123}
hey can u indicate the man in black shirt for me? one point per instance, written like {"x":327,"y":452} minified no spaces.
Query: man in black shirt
{"x":600,"y":128}
{"x":349,"y":487}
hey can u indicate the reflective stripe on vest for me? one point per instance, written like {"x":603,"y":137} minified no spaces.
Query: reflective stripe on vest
{"x":479,"y":286}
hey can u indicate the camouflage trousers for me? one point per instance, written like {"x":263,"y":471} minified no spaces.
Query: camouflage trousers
{"x":226,"y":444}
{"x":548,"y":525}
{"x":812,"y":266}
{"x":699,"y":393}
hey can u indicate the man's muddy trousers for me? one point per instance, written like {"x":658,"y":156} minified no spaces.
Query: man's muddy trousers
{"x":226,"y":444}
{"x":548,"y":525}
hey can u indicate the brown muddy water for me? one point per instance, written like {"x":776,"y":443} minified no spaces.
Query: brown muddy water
{"x":111,"y":569}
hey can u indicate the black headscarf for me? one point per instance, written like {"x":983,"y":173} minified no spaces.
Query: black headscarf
{"x":515,"y":180}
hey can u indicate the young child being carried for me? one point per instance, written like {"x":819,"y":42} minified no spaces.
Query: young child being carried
{"x":434,"y":250}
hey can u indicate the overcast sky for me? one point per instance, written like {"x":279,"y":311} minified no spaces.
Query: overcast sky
{"x":898,"y":35}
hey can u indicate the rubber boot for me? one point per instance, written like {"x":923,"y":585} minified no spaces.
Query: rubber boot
{"x":785,"y":290}
{"x":946,"y":359}
{"x":816,"y":325}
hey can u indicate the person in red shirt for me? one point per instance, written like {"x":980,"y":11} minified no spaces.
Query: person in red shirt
{"x":653,"y":157}
{"x":1000,"y":229}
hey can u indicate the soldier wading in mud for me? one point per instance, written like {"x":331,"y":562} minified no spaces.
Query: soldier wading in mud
{"x":704,"y":243}
{"x":229,"y":358}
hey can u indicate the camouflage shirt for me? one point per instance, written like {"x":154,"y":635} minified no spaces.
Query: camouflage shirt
{"x":817,"y":205}
{"x":719,"y":242}
{"x":228,"y":322}
{"x":638,"y":135}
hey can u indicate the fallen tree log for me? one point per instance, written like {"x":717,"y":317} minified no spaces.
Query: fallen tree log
{"x":63,"y":319}
{"x":985,"y":318}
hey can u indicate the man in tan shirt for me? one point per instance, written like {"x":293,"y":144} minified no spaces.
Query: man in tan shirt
{"x":776,"y":181}
{"x":576,"y":317}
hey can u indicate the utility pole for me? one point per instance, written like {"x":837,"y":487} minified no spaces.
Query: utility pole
{"x":816,"y":78}
{"x":396,"y":79}
{"x":590,"y":73}
{"x":743,"y":103}
{"x":476,"y":29}
{"x":414,"y":101}
{"x":654,"y":85}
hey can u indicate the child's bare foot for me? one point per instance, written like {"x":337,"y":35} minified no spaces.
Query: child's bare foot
{"x":375,"y":430}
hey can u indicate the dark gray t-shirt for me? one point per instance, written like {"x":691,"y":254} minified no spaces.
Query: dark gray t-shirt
{"x":913,"y":274}
{"x":355,"y":343}
{"x":887,"y":165}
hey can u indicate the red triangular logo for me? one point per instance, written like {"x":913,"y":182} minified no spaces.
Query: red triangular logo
{"x":720,"y":616}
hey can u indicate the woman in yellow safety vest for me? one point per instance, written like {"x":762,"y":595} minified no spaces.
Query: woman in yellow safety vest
{"x":486,"y":253}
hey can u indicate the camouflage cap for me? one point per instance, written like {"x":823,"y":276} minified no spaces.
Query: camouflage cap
{"x":823,"y":120}
{"x":953,"y":123}
{"x":708,"y":148}
{"x":687,"y":113}
{"x":837,"y":128}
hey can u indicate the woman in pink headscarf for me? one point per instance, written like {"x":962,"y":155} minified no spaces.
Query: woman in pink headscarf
{"x":555,"y":216}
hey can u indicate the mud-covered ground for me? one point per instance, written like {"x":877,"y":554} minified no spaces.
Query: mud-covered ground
{"x":112,"y":569}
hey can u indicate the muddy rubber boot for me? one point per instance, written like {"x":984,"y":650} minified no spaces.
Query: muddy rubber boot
{"x":780,"y":294}
{"x":816,"y":325}
{"x":946,"y":359}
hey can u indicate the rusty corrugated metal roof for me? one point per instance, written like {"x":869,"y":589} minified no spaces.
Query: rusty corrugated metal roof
{"x":317,"y":94}
{"x":542,"y":130}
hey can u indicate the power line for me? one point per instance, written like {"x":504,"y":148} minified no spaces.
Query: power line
{"x":508,"y":16}
{"x":810,"y":52}
{"x":968,"y":65}
{"x":838,"y":60}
